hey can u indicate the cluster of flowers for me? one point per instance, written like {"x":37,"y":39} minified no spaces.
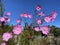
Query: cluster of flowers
{"x":48,"y":18}
{"x":26,"y":15}
{"x":44,"y":29}
{"x":18,"y":28}
{"x":52,"y":17}
{"x":5,"y":18}
{"x":8,"y":35}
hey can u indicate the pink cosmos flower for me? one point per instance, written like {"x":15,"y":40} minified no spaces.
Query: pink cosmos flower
{"x":39,"y":21}
{"x":47,"y":19}
{"x":38,"y":8}
{"x":8,"y":13}
{"x":29,"y":16}
{"x":25,"y":15}
{"x":3,"y":43}
{"x":17,"y":29}
{"x":2,"y":19}
{"x":37,"y":28}
{"x":18,"y":20}
{"x":54,"y":14}
{"x":45,"y":30}
{"x":41,"y":14}
{"x":6,"y":36}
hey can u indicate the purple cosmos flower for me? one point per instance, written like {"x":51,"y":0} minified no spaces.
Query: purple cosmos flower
{"x":6,"y":36}
{"x":3,"y":43}
{"x":45,"y":30}
{"x":17,"y":29}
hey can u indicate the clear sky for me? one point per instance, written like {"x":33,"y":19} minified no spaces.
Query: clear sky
{"x":16,"y":7}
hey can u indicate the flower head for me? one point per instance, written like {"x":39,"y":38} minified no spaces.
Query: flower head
{"x":25,"y":15}
{"x":39,"y":21}
{"x":54,"y":14}
{"x":18,"y":20}
{"x":7,"y":19}
{"x":29,"y":16}
{"x":38,"y":8}
{"x":47,"y":19}
{"x":6,"y":36}
{"x":2,"y":19}
{"x":45,"y":30}
{"x":41,"y":14}
{"x":8,"y":13}
{"x":17,"y":29}
{"x":37,"y":28}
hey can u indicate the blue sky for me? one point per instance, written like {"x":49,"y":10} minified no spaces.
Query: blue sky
{"x":16,"y":7}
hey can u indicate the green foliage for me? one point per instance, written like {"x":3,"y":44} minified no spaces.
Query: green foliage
{"x":8,"y":28}
{"x":53,"y":28}
{"x":37,"y":33}
{"x":10,"y":42}
{"x":25,"y":34}
{"x":0,"y":39}
{"x":55,"y":31}
{"x":1,"y":30}
{"x":27,"y":37}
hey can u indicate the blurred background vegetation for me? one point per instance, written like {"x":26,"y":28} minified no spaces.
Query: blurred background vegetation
{"x":31,"y":37}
